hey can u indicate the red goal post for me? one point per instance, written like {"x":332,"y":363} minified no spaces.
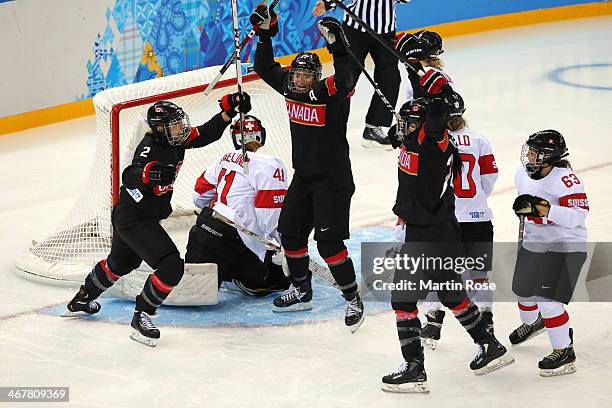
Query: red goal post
{"x":67,"y":254}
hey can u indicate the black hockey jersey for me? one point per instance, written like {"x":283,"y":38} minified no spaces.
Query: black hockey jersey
{"x":318,"y":118}
{"x":425,"y":194}
{"x":138,"y":194}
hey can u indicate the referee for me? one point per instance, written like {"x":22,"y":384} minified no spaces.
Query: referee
{"x":380,"y":16}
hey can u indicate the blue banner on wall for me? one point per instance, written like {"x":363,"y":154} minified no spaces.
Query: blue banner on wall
{"x":145,"y":39}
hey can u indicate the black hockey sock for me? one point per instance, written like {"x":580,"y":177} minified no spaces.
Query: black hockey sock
{"x":344,"y":275}
{"x":298,"y":268}
{"x":468,"y":315}
{"x":409,"y":333}
{"x":99,"y":279}
{"x":153,"y":295}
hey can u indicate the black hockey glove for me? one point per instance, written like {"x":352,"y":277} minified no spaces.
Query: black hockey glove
{"x":434,"y":82}
{"x":396,"y":140}
{"x":228,"y":103}
{"x":525,"y":204}
{"x":159,"y":174}
{"x":410,"y":47}
{"x":264,"y":21}
{"x":331,"y":30}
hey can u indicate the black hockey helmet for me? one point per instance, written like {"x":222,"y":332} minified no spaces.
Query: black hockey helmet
{"x":431,"y":42}
{"x":253,"y":131}
{"x":414,"y":111}
{"x":168,"y":123}
{"x":304,"y":62}
{"x":543,"y":147}
{"x":456,"y":106}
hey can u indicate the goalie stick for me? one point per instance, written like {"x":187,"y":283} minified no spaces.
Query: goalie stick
{"x":369,"y":30}
{"x":232,"y":57}
{"x":316,"y":268}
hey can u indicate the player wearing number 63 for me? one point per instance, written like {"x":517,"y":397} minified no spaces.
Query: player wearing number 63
{"x":146,"y":190}
{"x":553,"y":250}
{"x":255,"y":199}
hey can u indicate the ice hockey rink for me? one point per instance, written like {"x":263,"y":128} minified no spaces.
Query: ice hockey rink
{"x":238,"y":353}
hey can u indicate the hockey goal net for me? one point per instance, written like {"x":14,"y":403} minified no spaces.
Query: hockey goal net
{"x":84,"y":237}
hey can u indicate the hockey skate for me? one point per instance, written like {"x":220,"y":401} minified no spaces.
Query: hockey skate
{"x":527,"y":331}
{"x":410,"y":377}
{"x":492,"y":355}
{"x":560,"y":361}
{"x":430,"y":332}
{"x":374,"y":137}
{"x":353,"y":314}
{"x":144,"y":331}
{"x":81,"y":305}
{"x":296,"y":298}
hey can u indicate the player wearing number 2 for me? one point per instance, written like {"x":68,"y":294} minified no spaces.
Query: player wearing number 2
{"x":146,"y":190}
{"x":256,"y":199}
{"x":320,"y":193}
{"x":553,"y":250}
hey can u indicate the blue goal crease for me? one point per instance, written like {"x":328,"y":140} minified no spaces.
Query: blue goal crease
{"x":236,"y":309}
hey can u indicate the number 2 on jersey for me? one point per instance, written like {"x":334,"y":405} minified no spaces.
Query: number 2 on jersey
{"x":224,"y":184}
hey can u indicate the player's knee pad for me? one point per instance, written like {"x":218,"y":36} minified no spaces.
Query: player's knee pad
{"x":333,"y":252}
{"x":122,"y":267}
{"x":295,"y":246}
{"x":170,"y":269}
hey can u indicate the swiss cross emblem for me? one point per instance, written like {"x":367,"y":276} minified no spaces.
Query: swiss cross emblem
{"x":415,"y":108}
{"x":159,"y":109}
{"x":250,"y":126}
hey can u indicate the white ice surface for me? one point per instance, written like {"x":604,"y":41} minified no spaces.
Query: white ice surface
{"x":503,"y":78}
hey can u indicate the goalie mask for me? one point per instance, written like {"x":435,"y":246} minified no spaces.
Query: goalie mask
{"x":169,"y":123}
{"x":543,"y":147}
{"x":305,"y":71}
{"x":253,"y":131}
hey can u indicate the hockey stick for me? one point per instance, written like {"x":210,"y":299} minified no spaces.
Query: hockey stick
{"x":314,"y":267}
{"x":230,"y":60}
{"x":521,"y":232}
{"x":369,"y":30}
{"x":245,"y":163}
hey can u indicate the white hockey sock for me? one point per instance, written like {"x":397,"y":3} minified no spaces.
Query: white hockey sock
{"x":528,"y":309}
{"x":556,"y":321}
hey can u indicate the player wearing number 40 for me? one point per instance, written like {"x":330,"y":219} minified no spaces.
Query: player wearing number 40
{"x":255,"y":200}
{"x":146,"y":190}
{"x":553,"y":250}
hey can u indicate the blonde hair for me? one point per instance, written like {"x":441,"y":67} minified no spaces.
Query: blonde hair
{"x":434,"y":62}
{"x":455,"y":123}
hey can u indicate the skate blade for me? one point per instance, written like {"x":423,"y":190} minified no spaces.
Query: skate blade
{"x":408,"y":388}
{"x":530,"y":337}
{"x":495,"y":364}
{"x":68,"y":313}
{"x":428,"y":343}
{"x":298,"y":307}
{"x":569,"y":368}
{"x":371,"y":144}
{"x":147,"y":341}
{"x":353,"y":329}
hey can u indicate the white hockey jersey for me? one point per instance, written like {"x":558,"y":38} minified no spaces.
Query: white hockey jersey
{"x":565,"y":226}
{"x":256,"y":197}
{"x":478,"y":176}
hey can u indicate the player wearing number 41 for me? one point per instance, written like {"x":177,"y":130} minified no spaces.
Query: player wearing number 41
{"x":428,"y":161}
{"x":320,"y":193}
{"x":144,"y":200}
{"x":255,"y":199}
{"x":553,"y":249}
